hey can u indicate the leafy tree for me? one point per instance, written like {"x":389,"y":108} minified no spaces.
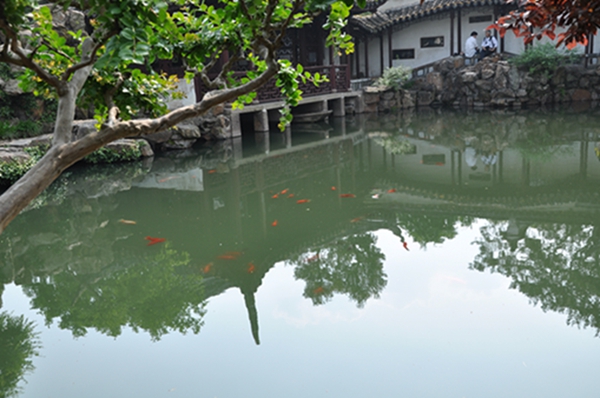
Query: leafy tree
{"x":538,"y":18}
{"x":352,"y":266}
{"x":108,"y":66}
{"x":556,"y":266}
{"x":154,"y":295}
{"x":18,"y":345}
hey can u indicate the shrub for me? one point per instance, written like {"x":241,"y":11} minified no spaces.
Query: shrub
{"x":544,"y":59}
{"x":395,"y":77}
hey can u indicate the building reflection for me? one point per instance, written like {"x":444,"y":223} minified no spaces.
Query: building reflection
{"x":231,"y":212}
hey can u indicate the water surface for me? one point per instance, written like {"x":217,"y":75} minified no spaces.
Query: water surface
{"x":432,"y":254}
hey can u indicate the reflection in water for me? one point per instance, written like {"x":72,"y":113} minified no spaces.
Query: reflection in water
{"x":230,"y":213}
{"x":352,"y":265}
{"x":18,"y":345}
{"x":556,"y":265}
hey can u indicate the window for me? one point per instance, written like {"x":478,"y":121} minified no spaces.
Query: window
{"x":407,"y":53}
{"x":480,"y":18}
{"x":437,"y":41}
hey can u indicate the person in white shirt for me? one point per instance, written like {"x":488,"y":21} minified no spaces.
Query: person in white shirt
{"x":471,"y":48}
{"x":489,"y":44}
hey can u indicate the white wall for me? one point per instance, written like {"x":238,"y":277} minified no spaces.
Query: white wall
{"x":189,"y":95}
{"x":467,"y":27}
{"x":410,"y":37}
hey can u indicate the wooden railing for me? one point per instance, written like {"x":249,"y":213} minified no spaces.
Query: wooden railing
{"x":338,"y":76}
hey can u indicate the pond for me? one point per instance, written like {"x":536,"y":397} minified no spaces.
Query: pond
{"x":429,"y":254}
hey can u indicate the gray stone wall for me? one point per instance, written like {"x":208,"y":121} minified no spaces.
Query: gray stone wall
{"x":492,"y":82}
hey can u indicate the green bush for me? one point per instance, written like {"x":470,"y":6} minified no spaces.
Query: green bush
{"x":395,"y":77}
{"x":107,"y":155}
{"x":544,"y":59}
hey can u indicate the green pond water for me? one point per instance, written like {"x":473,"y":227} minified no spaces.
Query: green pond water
{"x":430,"y":254}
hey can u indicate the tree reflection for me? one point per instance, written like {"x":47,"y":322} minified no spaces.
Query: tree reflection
{"x":557,"y":266}
{"x":151,"y":293}
{"x":18,"y":346}
{"x":352,"y":265}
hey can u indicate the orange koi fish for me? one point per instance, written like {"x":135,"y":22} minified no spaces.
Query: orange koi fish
{"x":357,"y":219}
{"x":312,"y":258}
{"x":207,"y":268}
{"x":153,"y":241}
{"x":274,"y":223}
{"x":347,"y":195}
{"x":127,"y":222}
{"x":284,"y":191}
{"x":291,"y":195}
{"x":168,"y":178}
{"x":405,"y":245}
{"x":251,"y":268}
{"x":300,"y":201}
{"x":275,"y":196}
{"x":391,"y":190}
{"x":333,"y":188}
{"x":439,"y":163}
{"x":229,"y":256}
{"x":319,"y":290}
{"x":212,"y":171}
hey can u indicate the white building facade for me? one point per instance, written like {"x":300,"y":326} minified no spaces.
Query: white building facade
{"x":402,"y":32}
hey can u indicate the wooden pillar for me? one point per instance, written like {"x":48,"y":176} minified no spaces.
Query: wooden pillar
{"x":357,"y":58}
{"x":367,"y":57}
{"x":381,"y":53}
{"x":459,"y":29}
{"x":390,"y":47}
{"x":451,"y":32}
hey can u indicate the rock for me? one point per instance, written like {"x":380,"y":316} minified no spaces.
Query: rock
{"x":11,"y":87}
{"x":159,"y":137}
{"x":81,"y":128}
{"x":487,"y":73}
{"x":468,"y":77}
{"x":434,"y":79}
{"x":483,"y":84}
{"x":581,"y":95}
{"x":145,"y":148}
{"x":370,"y":97}
{"x":177,"y":142}
{"x":424,"y":98}
{"x":188,"y":131}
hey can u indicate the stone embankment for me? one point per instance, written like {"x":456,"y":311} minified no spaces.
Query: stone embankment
{"x":492,"y":82}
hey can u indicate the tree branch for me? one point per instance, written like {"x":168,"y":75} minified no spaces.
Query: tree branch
{"x":23,"y":60}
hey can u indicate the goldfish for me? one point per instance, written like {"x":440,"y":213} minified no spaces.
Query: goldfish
{"x":207,"y":268}
{"x":229,"y":256}
{"x":127,"y":222}
{"x":333,"y":188}
{"x":318,"y":290}
{"x":153,"y":241}
{"x":405,"y":245}
{"x":167,"y":179}
{"x":251,"y":268}
{"x":357,"y":219}
{"x":275,"y":196}
{"x":347,"y":195}
{"x":391,"y":190}
{"x":284,"y":191}
{"x":439,"y":163}
{"x":274,"y":223}
{"x":211,"y":171}
{"x":300,"y":201}
{"x":291,"y":195}
{"x":312,"y":258}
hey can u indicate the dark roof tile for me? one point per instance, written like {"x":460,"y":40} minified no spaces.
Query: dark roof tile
{"x":380,"y":20}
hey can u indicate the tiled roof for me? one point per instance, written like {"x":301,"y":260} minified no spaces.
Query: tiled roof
{"x":380,"y":20}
